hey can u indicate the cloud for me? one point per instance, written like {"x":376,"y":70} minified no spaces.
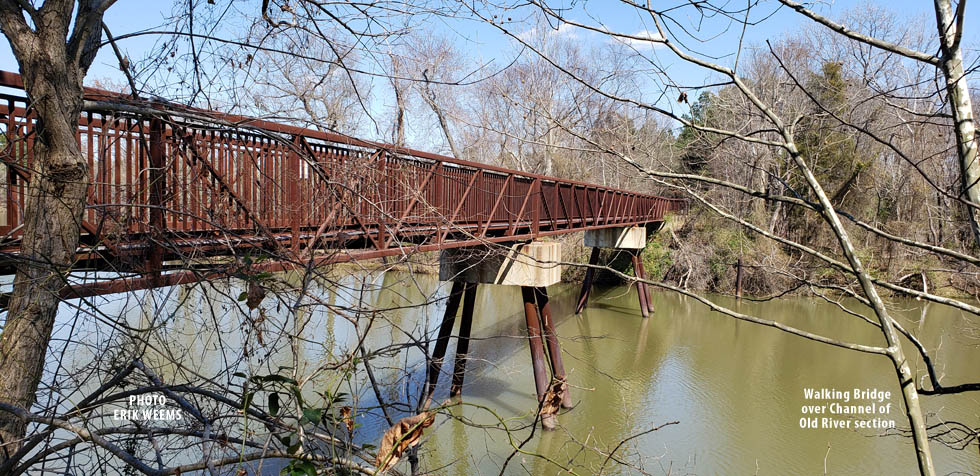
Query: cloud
{"x":564,"y":30}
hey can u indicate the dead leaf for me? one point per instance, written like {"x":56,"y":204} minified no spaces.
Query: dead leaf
{"x":345,"y":414}
{"x":404,"y":435}
{"x":257,"y":326}
{"x":552,"y":398}
{"x":682,"y":98}
{"x":256,"y":293}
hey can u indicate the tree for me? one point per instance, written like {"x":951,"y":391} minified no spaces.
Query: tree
{"x":697,"y":146}
{"x":949,"y":26}
{"x":765,"y":122}
{"x":54,"y":50}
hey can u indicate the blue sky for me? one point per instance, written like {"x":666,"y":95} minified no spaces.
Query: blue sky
{"x":133,"y":15}
{"x":124,"y":17}
{"x":485,"y":43}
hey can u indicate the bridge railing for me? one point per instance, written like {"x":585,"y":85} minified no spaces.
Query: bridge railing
{"x":195,"y":173}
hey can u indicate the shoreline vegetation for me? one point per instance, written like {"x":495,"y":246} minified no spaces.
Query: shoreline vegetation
{"x":691,"y":253}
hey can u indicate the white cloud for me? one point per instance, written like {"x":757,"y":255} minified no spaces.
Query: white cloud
{"x":567,"y":30}
{"x":564,"y":30}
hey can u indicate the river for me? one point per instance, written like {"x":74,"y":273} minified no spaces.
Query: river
{"x":735,"y":389}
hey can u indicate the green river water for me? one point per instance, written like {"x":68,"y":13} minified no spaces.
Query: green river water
{"x":735,"y":388}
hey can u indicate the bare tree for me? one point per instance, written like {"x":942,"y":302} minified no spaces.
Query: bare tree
{"x":54,"y":45}
{"x":949,"y":26}
{"x":773,"y":138}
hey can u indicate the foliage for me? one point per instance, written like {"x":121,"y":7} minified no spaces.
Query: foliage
{"x":696,"y":145}
{"x":657,"y":256}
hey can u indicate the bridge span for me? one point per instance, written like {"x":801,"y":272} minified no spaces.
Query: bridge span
{"x":171,"y":185}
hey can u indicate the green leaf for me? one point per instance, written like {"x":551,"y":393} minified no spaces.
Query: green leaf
{"x":312,"y":415}
{"x":274,"y":403}
{"x":243,"y":296}
{"x":306,"y":467}
{"x":297,"y":393}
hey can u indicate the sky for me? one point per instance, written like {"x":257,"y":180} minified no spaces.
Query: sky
{"x":484,"y":43}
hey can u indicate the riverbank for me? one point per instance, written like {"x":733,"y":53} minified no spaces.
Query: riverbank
{"x":700,"y":251}
{"x":700,"y":254}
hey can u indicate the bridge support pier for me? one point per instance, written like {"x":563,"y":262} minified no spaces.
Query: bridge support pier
{"x":554,"y":347}
{"x":630,"y":238}
{"x":442,"y":342}
{"x":532,"y":266}
{"x":534,"y":340}
{"x":463,"y":343}
{"x":465,"y":292}
{"x":583,"y":296}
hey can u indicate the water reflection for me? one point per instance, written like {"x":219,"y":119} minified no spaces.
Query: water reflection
{"x":736,"y":388}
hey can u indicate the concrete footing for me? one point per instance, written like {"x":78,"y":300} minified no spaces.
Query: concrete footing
{"x":525,"y":264}
{"x":630,"y":238}
{"x":624,"y":238}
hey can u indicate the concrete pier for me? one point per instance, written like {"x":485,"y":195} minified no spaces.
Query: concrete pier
{"x":532,"y":266}
{"x":624,"y":238}
{"x":524,"y":264}
{"x":630,"y":238}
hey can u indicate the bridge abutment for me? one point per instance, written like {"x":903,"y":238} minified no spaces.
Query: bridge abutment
{"x":532,"y":266}
{"x":632,"y":239}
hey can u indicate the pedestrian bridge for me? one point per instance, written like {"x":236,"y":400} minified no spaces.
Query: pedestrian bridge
{"x":172,"y":185}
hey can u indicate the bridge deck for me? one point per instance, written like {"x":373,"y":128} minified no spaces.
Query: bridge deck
{"x":189,"y":183}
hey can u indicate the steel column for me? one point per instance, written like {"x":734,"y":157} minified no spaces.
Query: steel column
{"x":640,"y":286}
{"x":646,"y":287}
{"x":541,"y":380}
{"x":583,"y":296}
{"x":554,"y":346}
{"x":442,"y":342}
{"x":738,"y":278}
{"x":463,"y":343}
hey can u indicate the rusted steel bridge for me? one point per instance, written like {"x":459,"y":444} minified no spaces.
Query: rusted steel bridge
{"x":191,"y":183}
{"x":173,"y":184}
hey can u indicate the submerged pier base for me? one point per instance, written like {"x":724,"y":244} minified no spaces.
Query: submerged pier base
{"x":630,"y":238}
{"x":532,"y":266}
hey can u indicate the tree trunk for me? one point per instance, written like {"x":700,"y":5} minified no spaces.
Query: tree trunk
{"x":958,"y":94}
{"x":52,"y":218}
{"x":430,"y":98}
{"x":399,"y":115}
{"x":906,"y":380}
